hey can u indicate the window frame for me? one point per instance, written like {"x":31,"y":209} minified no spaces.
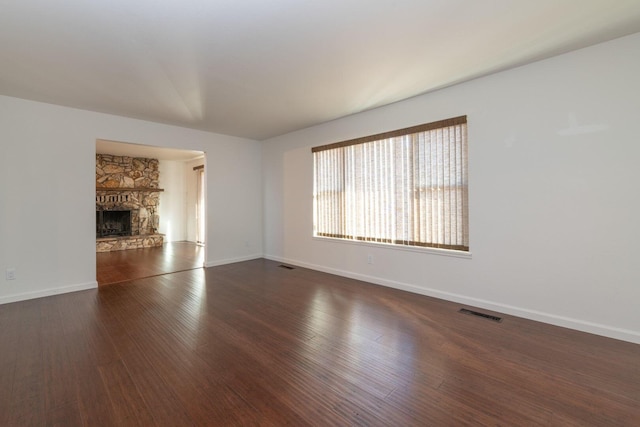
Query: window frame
{"x":457,"y":124}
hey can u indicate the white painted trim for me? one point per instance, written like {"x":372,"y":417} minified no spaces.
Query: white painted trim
{"x":565,"y":322}
{"x":420,"y":249}
{"x":48,"y":292}
{"x":232,"y":260}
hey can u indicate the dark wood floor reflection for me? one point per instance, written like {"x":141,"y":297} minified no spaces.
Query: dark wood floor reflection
{"x":255,"y":344}
{"x":121,"y":266}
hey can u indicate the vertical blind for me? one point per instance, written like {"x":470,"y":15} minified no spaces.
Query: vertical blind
{"x":406,"y":187}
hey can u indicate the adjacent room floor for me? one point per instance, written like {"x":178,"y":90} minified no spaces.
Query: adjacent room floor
{"x":120,"y":266}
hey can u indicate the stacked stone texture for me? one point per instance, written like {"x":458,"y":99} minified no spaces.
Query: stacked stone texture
{"x":126,"y":172}
{"x":133,"y":242}
{"x":134,"y":176}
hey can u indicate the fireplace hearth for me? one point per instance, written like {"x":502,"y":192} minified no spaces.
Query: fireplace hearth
{"x":111,"y":223}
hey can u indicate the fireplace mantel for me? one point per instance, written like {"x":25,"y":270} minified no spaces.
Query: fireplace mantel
{"x":121,"y":189}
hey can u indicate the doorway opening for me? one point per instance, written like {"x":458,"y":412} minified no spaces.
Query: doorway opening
{"x":179,"y":215}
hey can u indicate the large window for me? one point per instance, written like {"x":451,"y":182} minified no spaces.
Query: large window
{"x":406,"y":187}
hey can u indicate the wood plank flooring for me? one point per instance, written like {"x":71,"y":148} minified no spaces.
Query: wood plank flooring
{"x":254,"y":344}
{"x":121,"y":266}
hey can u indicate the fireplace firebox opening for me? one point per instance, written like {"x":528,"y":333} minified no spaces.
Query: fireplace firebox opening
{"x":113,"y":223}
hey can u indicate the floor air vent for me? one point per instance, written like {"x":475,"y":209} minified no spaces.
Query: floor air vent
{"x":285,"y":266}
{"x":476,"y":313}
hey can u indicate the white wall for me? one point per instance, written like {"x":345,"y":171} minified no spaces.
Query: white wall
{"x":172,"y":209}
{"x":191,"y":183}
{"x":554,"y":222}
{"x":47,"y":159}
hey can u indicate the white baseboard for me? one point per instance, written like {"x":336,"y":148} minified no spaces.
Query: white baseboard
{"x":565,"y":322}
{"x":48,"y":292}
{"x":232,"y":260}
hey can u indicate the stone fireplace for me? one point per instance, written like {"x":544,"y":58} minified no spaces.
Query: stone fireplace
{"x":127,"y":200}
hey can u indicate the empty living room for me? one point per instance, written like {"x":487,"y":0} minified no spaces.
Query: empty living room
{"x":372,"y":213}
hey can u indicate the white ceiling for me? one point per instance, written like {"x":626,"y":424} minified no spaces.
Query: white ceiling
{"x":257,"y":68}
{"x":116,"y":148}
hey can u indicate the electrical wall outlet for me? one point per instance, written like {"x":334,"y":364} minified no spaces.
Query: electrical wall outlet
{"x":369,"y":259}
{"x":10,"y":274}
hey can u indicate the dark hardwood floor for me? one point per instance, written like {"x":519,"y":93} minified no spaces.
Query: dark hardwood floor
{"x":254,"y":344}
{"x":121,"y":266}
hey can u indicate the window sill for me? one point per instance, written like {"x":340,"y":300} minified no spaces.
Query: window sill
{"x":424,"y":250}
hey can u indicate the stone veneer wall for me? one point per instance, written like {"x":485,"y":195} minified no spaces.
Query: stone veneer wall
{"x":129,"y":183}
{"x":126,"y":172}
